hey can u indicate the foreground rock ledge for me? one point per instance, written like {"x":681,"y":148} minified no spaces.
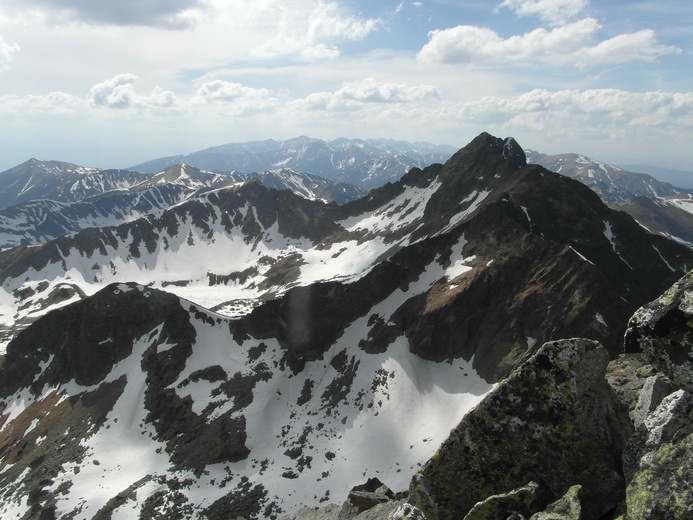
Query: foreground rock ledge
{"x":554,"y":422}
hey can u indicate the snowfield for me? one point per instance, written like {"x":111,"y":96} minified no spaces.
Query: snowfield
{"x":392,"y":411}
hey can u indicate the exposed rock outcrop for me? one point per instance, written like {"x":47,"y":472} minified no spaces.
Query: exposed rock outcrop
{"x":485,"y":258}
{"x":555,"y":431}
{"x":83,"y":341}
{"x":663,"y":331}
{"x":370,"y":501}
{"x":554,"y":421}
{"x":658,"y":462}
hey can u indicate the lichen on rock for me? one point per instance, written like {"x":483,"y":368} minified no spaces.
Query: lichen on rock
{"x":554,"y":421}
{"x":658,"y":462}
{"x":663,"y":331}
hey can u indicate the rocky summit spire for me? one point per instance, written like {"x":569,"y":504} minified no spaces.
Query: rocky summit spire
{"x":485,"y":146}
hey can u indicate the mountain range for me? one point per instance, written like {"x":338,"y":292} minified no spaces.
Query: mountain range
{"x":94,"y":198}
{"x":658,"y":206}
{"x":613,"y":184}
{"x":366,"y":163}
{"x":248,"y":352}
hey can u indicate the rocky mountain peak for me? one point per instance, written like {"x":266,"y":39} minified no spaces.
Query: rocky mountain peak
{"x":486,"y":145}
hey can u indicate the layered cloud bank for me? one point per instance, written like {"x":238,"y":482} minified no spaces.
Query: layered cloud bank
{"x":192,"y":73}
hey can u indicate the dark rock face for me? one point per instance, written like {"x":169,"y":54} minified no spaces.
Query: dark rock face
{"x":555,"y":431}
{"x":550,"y":260}
{"x":663,"y":331}
{"x":83,"y":341}
{"x":554,"y":421}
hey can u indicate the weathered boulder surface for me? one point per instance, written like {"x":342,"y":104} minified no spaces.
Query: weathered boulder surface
{"x":655,"y":389}
{"x":658,"y":462}
{"x":520,"y":501}
{"x":568,"y":507}
{"x":663,"y":331}
{"x":554,"y":421}
{"x":370,"y":501}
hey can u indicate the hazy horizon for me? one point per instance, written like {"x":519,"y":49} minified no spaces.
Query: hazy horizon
{"x":111,"y":85}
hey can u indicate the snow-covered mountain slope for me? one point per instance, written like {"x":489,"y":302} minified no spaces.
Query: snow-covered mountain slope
{"x":306,"y":185}
{"x":39,"y":221}
{"x":342,"y":341}
{"x":668,"y":216}
{"x":364,"y":163}
{"x":187,"y":176}
{"x":60,"y":181}
{"x":231,"y":249}
{"x":208,"y":423}
{"x":613,"y":184}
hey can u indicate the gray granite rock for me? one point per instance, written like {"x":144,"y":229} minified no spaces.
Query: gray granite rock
{"x":658,"y":462}
{"x":663,"y":331}
{"x":554,"y":420}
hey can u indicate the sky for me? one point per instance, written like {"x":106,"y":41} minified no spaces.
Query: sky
{"x":112,"y":84}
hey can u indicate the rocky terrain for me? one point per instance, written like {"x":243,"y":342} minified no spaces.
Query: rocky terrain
{"x":670,"y":216}
{"x":657,"y":206}
{"x":251,"y":353}
{"x":52,"y":214}
{"x":613,"y":184}
{"x":567,"y":435}
{"x":61,"y":182}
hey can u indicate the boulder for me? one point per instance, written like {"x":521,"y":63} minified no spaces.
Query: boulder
{"x":568,"y":507}
{"x":655,"y":389}
{"x":554,"y":421}
{"x":626,"y":375}
{"x":369,"y":495}
{"x":658,"y":462}
{"x":520,"y":501}
{"x":663,"y":331}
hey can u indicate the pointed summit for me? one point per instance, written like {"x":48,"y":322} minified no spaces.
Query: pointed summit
{"x":486,"y":145}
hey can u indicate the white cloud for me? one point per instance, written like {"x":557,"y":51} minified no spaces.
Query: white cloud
{"x":612,"y":111}
{"x":235,"y":98}
{"x":366,"y":92}
{"x":119,"y":93}
{"x":303,"y":30}
{"x":567,"y":44}
{"x":639,"y":46}
{"x":471,"y":44}
{"x":555,"y":12}
{"x":320,"y":52}
{"x":56,"y":103}
{"x":7,"y":53}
